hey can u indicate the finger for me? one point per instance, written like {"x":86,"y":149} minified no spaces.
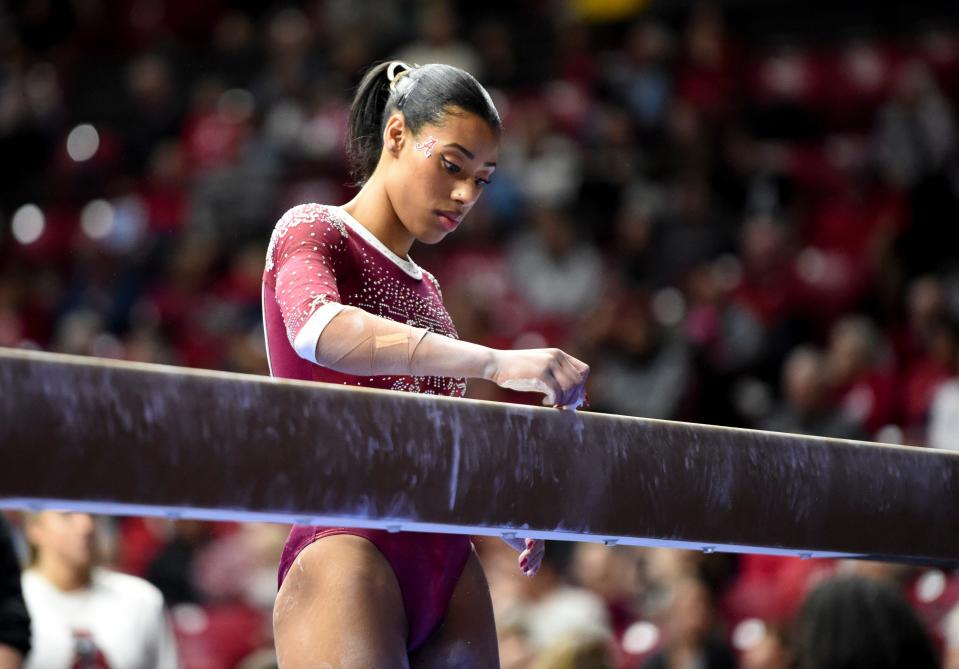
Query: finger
{"x":558,"y":377}
{"x":530,"y":556}
{"x":554,"y":388}
{"x":579,"y":395}
{"x":579,"y":369}
{"x":532,"y":566}
{"x":579,"y":400}
{"x":580,"y":376}
{"x":533,"y":550}
{"x":573,"y":399}
{"x":570,"y":384}
{"x":579,"y":365}
{"x":533,"y":555}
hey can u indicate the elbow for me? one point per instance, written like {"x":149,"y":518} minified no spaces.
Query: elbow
{"x":306,"y":341}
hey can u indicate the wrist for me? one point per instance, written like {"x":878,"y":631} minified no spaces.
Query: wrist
{"x":490,"y":362}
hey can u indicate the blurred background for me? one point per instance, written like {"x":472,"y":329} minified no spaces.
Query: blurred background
{"x":741,"y":213}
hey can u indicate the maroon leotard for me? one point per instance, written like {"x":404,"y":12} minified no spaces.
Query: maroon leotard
{"x":319,"y":255}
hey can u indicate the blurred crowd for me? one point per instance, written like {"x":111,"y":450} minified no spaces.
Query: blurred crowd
{"x":732,"y":226}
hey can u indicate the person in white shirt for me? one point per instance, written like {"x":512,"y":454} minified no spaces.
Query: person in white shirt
{"x":944,"y":417}
{"x":85,"y":616}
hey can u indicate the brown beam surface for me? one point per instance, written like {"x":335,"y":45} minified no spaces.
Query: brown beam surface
{"x":100,"y":435}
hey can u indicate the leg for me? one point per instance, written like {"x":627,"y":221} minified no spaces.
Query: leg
{"x":340,"y":607}
{"x":467,"y":635}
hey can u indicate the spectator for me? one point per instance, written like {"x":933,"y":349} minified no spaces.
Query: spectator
{"x":691,"y":233}
{"x":690,"y":625}
{"x":172,"y":568}
{"x":14,"y":619}
{"x":639,"y":369}
{"x":771,"y":652}
{"x":561,"y":275}
{"x":615,"y":574}
{"x":925,"y":375}
{"x":864,"y":390}
{"x":706,"y":77}
{"x":546,"y":164}
{"x":944,"y":417}
{"x":585,"y":652}
{"x":806,"y":408}
{"x":438,"y":42}
{"x":854,"y":622}
{"x":643,"y":75}
{"x":538,"y":614}
{"x":916,"y":150}
{"x":916,"y":135}
{"x":85,"y":615}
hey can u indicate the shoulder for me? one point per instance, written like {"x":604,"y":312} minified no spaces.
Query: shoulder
{"x":318,"y":221}
{"x":31,"y":583}
{"x":432,"y":279}
{"x":946,"y":397}
{"x":312,"y":214}
{"x":132,"y":588}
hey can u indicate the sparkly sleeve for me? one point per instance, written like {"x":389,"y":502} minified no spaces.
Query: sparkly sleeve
{"x":307,"y":251}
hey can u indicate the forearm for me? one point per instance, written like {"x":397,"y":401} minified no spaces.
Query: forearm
{"x":357,"y":342}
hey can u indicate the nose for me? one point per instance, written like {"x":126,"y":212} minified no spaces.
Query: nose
{"x":465,"y":193}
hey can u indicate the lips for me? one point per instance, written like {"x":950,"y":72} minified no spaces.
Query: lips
{"x":448,"y":219}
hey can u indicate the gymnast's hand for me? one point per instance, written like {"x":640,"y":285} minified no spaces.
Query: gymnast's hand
{"x":558,"y":375}
{"x":531,"y":553}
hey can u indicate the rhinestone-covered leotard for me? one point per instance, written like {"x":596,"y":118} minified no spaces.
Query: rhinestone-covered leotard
{"x":319,"y":254}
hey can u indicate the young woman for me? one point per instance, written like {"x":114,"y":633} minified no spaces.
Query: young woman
{"x":344,"y":303}
{"x":82,"y":615}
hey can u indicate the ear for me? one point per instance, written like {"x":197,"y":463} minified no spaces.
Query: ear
{"x":394,"y":134}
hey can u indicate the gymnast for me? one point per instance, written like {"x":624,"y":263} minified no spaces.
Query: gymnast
{"x":344,"y":303}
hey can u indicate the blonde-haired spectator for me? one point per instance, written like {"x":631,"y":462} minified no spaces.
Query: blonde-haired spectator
{"x":85,"y":615}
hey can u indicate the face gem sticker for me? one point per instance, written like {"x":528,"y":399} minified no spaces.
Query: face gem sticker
{"x":426,"y":147}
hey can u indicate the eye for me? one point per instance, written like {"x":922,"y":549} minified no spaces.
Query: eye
{"x":451,"y":167}
{"x":481,"y":182}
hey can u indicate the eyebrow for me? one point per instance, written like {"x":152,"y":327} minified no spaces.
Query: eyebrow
{"x":467,"y":152}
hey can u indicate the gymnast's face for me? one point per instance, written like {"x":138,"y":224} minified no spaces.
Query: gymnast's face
{"x":65,"y":538}
{"x":435,"y":177}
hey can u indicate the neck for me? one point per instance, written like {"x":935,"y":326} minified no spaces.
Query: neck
{"x":374,"y":210}
{"x":63,"y":576}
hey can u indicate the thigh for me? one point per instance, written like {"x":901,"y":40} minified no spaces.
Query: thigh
{"x":467,"y":635}
{"x":340,"y":607}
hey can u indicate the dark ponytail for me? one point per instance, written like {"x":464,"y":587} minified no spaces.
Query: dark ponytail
{"x":423,"y":94}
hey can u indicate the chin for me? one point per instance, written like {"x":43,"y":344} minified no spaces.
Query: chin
{"x":432,"y":236}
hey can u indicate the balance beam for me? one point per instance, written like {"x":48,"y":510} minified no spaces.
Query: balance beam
{"x":123,"y":438}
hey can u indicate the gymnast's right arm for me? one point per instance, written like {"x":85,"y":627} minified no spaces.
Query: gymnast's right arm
{"x":307,"y":254}
{"x":357,"y":342}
